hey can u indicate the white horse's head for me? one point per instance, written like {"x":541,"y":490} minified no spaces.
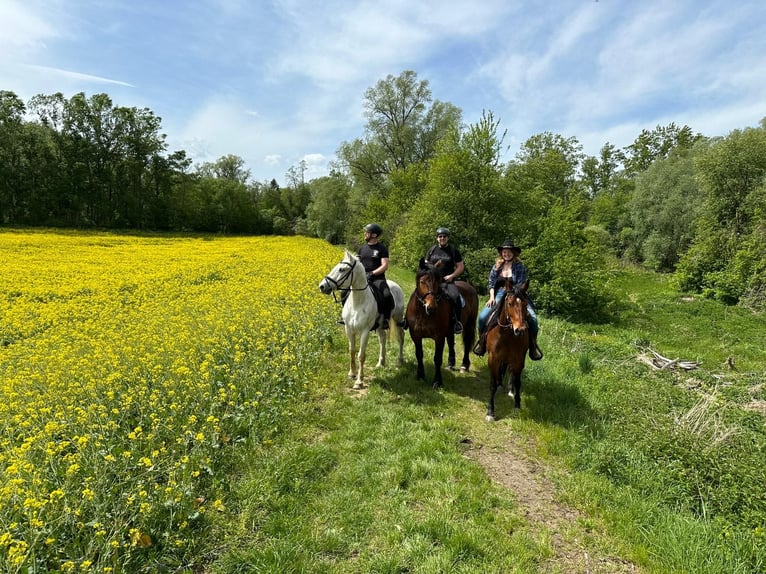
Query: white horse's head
{"x":343,"y":275}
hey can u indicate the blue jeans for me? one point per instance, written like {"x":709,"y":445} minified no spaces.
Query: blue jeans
{"x":486,"y":311}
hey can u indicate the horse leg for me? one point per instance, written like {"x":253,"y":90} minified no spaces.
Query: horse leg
{"x":351,"y":353}
{"x":467,"y":346}
{"x":438,"y":358}
{"x":399,"y":336}
{"x":361,"y":357}
{"x":515,"y":384}
{"x":382,"y":336}
{"x":451,"y":352}
{"x":419,"y":356}
{"x":493,"y":384}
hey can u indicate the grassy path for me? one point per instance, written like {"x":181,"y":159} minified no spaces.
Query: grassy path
{"x":399,"y":478}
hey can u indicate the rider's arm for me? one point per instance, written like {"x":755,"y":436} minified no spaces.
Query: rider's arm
{"x":459,"y":267}
{"x":383,"y":267}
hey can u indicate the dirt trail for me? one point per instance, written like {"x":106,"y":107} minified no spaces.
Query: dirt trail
{"x":571,"y":543}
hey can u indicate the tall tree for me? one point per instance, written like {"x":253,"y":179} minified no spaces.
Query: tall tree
{"x":543,"y":171}
{"x":656,"y":144}
{"x":727,"y":259}
{"x":464,"y":193}
{"x":327,"y":211}
{"x":404,"y":125}
{"x":12,"y":200}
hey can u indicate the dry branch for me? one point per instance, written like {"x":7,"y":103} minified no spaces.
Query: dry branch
{"x":659,"y":362}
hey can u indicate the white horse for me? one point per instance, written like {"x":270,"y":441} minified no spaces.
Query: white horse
{"x":361,"y":311}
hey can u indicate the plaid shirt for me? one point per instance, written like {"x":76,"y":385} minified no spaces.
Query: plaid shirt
{"x":519,"y":275}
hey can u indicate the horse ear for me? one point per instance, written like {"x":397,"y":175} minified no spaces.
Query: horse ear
{"x":422,"y":263}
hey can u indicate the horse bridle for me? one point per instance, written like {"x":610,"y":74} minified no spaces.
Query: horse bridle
{"x":338,"y":285}
{"x":422,"y":298}
{"x":504,"y":312}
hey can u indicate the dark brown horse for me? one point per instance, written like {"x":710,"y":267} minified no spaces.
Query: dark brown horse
{"x":429,"y":316}
{"x":507,"y":345}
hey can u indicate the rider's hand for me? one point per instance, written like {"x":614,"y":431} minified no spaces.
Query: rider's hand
{"x":370,"y":277}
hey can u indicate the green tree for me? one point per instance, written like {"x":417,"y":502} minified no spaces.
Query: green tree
{"x":725,"y":260}
{"x":568,"y":273}
{"x":656,"y":144}
{"x":12,"y":158}
{"x":664,"y":207}
{"x":326,"y":215}
{"x":543,"y":171}
{"x":404,"y":125}
{"x":464,"y":193}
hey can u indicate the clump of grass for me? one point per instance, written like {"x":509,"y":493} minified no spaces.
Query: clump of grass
{"x":585,"y":362}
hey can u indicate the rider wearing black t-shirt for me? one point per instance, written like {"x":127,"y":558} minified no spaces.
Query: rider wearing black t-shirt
{"x":450,"y":263}
{"x":374,"y":258}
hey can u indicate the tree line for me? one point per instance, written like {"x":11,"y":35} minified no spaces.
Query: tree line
{"x":674,"y":200}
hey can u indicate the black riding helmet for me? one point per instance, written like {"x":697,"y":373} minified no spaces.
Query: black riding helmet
{"x":442,"y":231}
{"x":374,"y":228}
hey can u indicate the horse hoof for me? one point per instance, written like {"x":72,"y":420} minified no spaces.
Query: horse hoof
{"x":358,"y":386}
{"x":450,"y":367}
{"x":490,"y":419}
{"x":437,"y":386}
{"x":463,"y":369}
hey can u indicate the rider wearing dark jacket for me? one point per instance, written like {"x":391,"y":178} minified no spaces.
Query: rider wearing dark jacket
{"x":449,"y":261}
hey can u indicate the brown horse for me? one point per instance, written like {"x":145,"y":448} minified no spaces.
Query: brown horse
{"x":507,"y":345}
{"x":429,"y":316}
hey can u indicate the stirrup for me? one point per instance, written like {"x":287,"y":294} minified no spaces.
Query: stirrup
{"x":458,"y":327}
{"x":535,"y":352}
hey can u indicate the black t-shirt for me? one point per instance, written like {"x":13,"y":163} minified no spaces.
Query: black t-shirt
{"x":371,"y":256}
{"x":448,"y":255}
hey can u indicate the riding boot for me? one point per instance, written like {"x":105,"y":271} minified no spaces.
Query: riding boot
{"x":458,"y":326}
{"x":385,"y":324}
{"x":480,"y":348}
{"x":535,"y":353}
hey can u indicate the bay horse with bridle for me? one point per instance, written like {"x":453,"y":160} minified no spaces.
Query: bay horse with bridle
{"x":507,"y":345}
{"x":429,"y":316}
{"x":360,"y":313}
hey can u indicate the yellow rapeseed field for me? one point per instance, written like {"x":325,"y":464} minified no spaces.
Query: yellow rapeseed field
{"x":131,"y":367}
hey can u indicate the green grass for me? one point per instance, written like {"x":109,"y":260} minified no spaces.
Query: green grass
{"x":666,"y":469}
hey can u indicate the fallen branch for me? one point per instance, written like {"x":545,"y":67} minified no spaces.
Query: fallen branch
{"x":663,"y":363}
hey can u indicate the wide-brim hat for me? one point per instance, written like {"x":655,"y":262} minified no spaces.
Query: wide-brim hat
{"x":508,"y":244}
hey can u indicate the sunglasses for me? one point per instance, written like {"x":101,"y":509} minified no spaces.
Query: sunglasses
{"x":442,"y":236}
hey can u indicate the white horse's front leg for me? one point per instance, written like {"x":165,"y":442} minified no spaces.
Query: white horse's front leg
{"x":383,"y":336}
{"x":361,"y":357}
{"x":351,"y":353}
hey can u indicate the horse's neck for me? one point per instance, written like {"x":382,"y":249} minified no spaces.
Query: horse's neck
{"x":358,"y":282}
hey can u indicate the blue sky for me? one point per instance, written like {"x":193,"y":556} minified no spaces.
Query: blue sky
{"x":280,"y":81}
